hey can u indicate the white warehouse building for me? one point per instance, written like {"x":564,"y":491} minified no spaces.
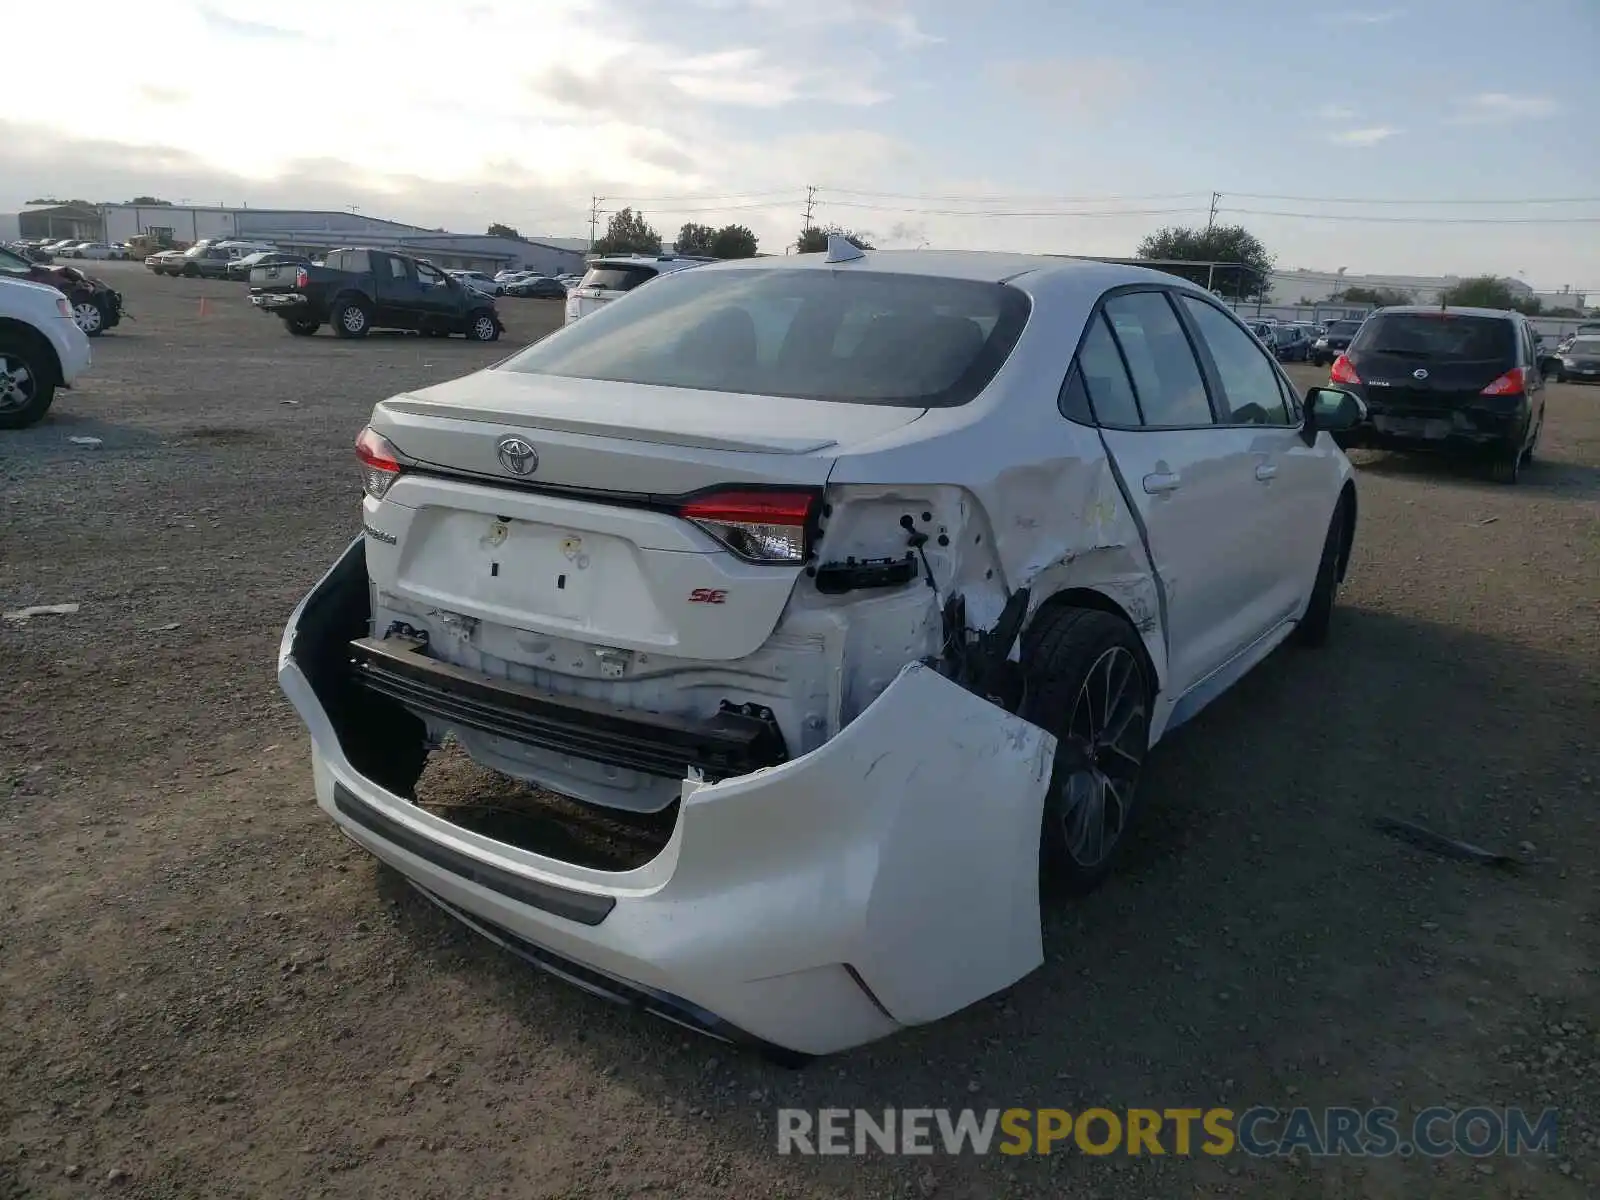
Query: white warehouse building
{"x":312,"y":232}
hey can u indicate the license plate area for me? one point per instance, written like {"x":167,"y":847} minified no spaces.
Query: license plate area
{"x":504,"y":564}
{"x":1418,"y":427}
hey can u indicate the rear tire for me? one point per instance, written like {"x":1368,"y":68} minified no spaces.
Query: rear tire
{"x":1314,"y":626}
{"x":301,"y":328}
{"x":1506,"y":468}
{"x":351,"y":319}
{"x":27,"y":381}
{"x":1087,"y":684}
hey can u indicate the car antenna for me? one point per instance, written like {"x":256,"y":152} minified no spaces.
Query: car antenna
{"x":842,"y":249}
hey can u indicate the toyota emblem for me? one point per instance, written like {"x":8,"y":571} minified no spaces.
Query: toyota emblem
{"x":1420,"y":373}
{"x":517,"y":456}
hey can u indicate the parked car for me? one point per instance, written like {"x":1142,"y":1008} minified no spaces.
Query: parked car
{"x":1290,"y":343}
{"x":41,"y":349}
{"x":1333,"y":342}
{"x":165,"y":262}
{"x":1579,"y":361}
{"x":202,"y":261}
{"x":778,"y":564}
{"x":358,"y":290}
{"x":614,"y":276}
{"x":538,"y":287}
{"x":59,"y":246}
{"x":240,"y":267}
{"x":1459,"y":380}
{"x":95,"y":250}
{"x":477,"y":280}
{"x":96,"y":306}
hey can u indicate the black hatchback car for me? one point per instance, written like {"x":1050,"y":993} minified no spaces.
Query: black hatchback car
{"x":1334,"y":341}
{"x":1464,"y":380}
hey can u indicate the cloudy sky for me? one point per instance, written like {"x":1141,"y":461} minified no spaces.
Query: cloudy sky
{"x":1059,"y":125}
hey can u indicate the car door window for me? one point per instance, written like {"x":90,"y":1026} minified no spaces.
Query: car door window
{"x":1098,"y":390}
{"x":1166,"y":378}
{"x":357,"y":261}
{"x":429,"y":276}
{"x":399,"y":270}
{"x":1251,"y":392}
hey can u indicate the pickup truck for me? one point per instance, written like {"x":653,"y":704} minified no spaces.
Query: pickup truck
{"x":358,"y":290}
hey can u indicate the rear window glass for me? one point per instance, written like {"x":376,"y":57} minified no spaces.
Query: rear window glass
{"x":855,"y":337}
{"x":618,"y":279}
{"x":1438,"y":335}
{"x":1343,"y":328}
{"x":1588,"y":344}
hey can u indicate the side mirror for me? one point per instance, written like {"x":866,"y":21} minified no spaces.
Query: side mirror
{"x":1332,"y":409}
{"x":1549,"y":365}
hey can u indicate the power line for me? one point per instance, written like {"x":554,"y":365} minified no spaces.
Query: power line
{"x":1018,"y":196}
{"x":972,"y":212}
{"x":703,"y":197}
{"x":1302,"y":216}
{"x":1451,"y":200}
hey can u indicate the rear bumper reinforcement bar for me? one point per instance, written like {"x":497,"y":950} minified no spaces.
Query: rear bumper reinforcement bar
{"x":734,"y":742}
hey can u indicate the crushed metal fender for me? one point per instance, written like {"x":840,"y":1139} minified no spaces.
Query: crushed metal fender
{"x":939,"y":885}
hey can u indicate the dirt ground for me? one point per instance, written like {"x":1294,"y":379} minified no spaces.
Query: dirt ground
{"x":206,"y":991}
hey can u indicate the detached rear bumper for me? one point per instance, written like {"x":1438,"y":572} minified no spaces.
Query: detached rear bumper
{"x":888,"y":878}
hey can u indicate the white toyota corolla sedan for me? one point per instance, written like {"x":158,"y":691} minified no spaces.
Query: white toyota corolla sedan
{"x":822,"y":609}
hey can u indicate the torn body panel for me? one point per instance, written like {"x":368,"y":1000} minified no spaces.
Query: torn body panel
{"x":885,"y":878}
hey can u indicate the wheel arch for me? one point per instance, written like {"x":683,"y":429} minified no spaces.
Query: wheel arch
{"x":1090,"y":597}
{"x":349,"y":296}
{"x":1347,"y":538}
{"x":27,"y":334}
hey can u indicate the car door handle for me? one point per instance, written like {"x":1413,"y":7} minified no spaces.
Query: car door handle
{"x":1162,"y":481}
{"x":1265,"y":471}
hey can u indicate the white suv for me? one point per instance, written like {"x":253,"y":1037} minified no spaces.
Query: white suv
{"x":822,"y":594}
{"x":614,"y":276}
{"x":41,"y":349}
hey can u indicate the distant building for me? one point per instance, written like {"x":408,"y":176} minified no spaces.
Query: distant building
{"x":1292,"y":287}
{"x":305,"y":231}
{"x":1565,"y":298}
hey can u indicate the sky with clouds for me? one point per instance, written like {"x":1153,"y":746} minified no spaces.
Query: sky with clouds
{"x":1365,"y":137}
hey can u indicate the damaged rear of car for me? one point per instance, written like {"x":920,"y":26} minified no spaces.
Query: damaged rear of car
{"x":793,"y":582}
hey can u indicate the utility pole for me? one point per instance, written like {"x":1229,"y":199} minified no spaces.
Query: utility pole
{"x":594,"y":218}
{"x":811,"y":200}
{"x":1211,"y":219}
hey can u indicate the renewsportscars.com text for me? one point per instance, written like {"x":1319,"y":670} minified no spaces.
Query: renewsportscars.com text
{"x":1260,"y":1131}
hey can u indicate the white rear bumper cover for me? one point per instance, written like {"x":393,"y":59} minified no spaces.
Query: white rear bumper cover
{"x":888,"y":878}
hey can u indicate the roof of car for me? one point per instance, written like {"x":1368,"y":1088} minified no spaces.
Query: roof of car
{"x":984,"y":265}
{"x":1452,"y":310}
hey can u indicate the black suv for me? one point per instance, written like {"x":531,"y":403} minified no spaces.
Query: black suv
{"x":1334,"y":341}
{"x":1466,"y":380}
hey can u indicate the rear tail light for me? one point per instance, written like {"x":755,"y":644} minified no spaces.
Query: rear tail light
{"x":380,"y":462}
{"x":1509,"y":384}
{"x":301,"y":277}
{"x":1342,"y":371}
{"x":758,"y":526}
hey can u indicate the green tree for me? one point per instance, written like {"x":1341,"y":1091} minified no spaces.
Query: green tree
{"x":628,"y":233}
{"x":733,"y":241}
{"x":1380,"y":296}
{"x":812,"y":239}
{"x":496,"y":229}
{"x":1485,"y":291}
{"x":151,"y":202}
{"x":1249,"y":262}
{"x":695,"y":240}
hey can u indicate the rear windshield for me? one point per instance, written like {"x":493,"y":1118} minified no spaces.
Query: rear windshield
{"x":1343,"y":328}
{"x":618,"y":279}
{"x":1589,"y":343}
{"x":855,"y":337}
{"x":1438,"y":335}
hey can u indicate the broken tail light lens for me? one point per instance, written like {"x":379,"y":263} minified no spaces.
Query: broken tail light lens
{"x":1342,"y":371}
{"x":1509,"y":384}
{"x":758,"y":526}
{"x":380,"y":462}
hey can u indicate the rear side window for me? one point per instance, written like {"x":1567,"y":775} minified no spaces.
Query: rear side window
{"x":1441,"y":335}
{"x":618,"y":279}
{"x":358,"y":261}
{"x":1104,"y":379}
{"x":858,"y":337}
{"x":1166,"y":377}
